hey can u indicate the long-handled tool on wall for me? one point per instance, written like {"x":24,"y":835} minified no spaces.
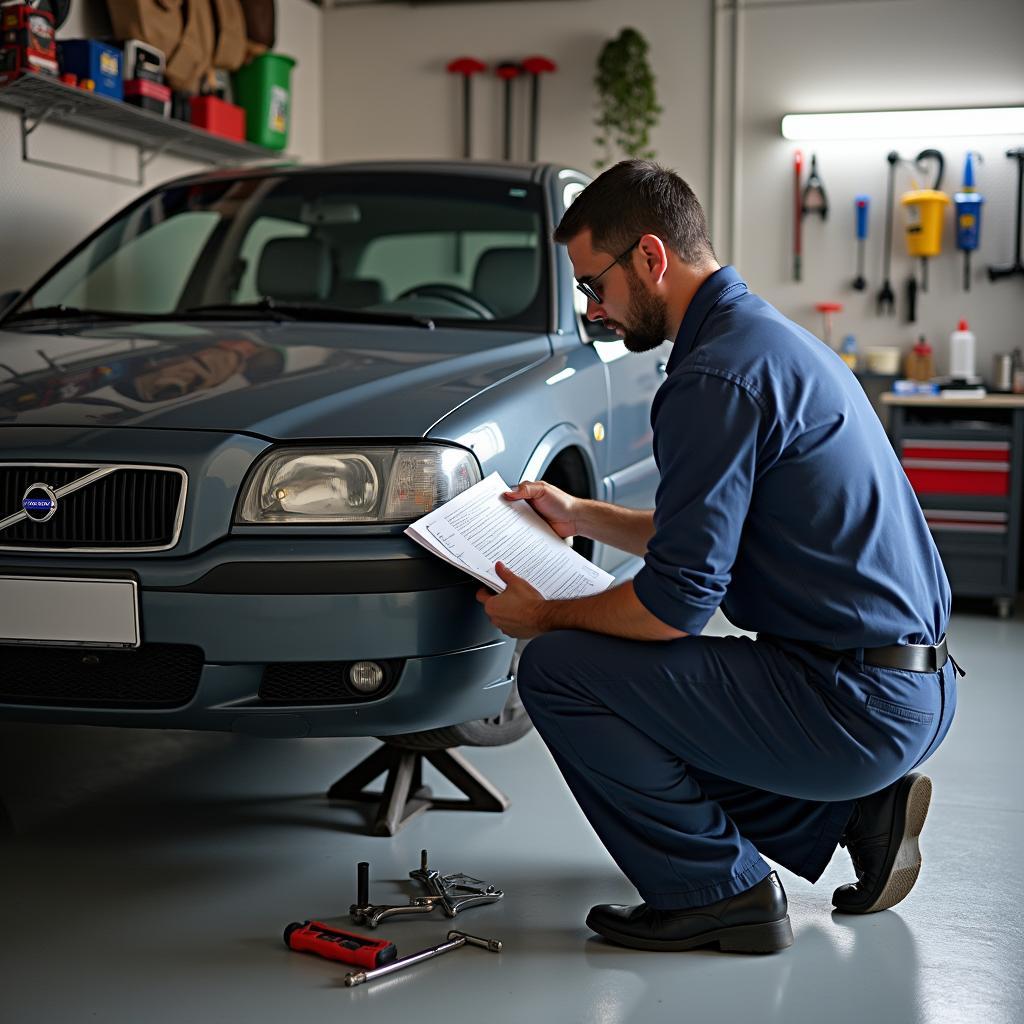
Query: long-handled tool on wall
{"x":467,"y":67}
{"x":535,"y":67}
{"x":798,"y":215}
{"x":508,"y":71}
{"x":861,"y":207}
{"x":995,"y":273}
{"x":814,"y":198}
{"x":886,"y":300}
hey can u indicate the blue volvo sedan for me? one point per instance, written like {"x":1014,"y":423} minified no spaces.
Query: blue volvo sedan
{"x":220,"y":411}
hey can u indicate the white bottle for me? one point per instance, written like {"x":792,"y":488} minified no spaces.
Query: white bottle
{"x":961,"y":353}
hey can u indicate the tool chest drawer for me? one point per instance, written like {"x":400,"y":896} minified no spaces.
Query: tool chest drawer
{"x":970,"y":525}
{"x":974,"y":569}
{"x":957,"y":467}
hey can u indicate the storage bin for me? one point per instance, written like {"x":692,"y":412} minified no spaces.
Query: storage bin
{"x":263,"y":88}
{"x":98,"y":61}
{"x":148,"y":95}
{"x":218,"y":117}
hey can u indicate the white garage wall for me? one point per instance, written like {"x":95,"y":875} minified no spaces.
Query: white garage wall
{"x":387,"y":95}
{"x":880,"y":55}
{"x":44,"y":211}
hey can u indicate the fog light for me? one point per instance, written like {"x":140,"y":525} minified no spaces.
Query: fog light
{"x":366,"y":676}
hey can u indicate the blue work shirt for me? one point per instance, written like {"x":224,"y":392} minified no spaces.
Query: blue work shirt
{"x":781,"y":498}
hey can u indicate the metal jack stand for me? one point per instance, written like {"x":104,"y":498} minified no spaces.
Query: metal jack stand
{"x":404,"y":796}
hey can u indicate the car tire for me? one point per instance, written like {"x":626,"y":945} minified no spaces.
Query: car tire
{"x":509,"y":725}
{"x":512,"y":723}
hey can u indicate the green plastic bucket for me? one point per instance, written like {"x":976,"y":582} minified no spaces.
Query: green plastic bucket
{"x":263,"y":88}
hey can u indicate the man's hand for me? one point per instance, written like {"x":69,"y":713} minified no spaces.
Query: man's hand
{"x":556,"y":506}
{"x":518,"y":610}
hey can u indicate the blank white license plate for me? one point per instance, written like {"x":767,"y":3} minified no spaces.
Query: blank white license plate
{"x":69,"y":612}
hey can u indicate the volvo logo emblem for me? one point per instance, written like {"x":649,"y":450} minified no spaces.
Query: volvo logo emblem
{"x":39,"y":503}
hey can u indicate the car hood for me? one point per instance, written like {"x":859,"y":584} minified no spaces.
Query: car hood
{"x":280,"y":380}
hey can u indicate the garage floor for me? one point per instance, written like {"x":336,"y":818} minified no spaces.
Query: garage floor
{"x":148,"y":876}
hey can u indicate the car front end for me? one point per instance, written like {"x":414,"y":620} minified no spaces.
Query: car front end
{"x":214,"y":429}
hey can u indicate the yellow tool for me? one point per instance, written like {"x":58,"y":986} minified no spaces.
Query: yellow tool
{"x":925,"y":211}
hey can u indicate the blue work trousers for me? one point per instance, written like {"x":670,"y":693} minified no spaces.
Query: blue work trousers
{"x":693,"y":757}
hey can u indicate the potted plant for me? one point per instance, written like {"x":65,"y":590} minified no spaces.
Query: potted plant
{"x":627,"y":104}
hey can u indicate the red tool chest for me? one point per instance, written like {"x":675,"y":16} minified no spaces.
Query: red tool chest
{"x":965,"y":461}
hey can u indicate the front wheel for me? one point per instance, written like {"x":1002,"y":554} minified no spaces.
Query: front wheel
{"x":510,"y":724}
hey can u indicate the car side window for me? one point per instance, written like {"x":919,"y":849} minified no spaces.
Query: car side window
{"x":262,"y":230}
{"x":590,"y":330}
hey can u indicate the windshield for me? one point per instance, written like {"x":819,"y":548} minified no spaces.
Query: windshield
{"x":453,"y":248}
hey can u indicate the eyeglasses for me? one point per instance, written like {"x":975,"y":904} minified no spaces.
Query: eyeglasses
{"x":586,"y":284}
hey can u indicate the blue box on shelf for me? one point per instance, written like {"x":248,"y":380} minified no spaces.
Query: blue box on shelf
{"x":100,"y":62}
{"x":914,"y":387}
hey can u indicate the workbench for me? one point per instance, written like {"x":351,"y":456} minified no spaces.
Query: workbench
{"x":965,"y":460}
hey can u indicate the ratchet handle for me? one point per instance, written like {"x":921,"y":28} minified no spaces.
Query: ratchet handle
{"x":334,"y":944}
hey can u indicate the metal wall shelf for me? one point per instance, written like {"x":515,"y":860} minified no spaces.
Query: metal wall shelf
{"x":42,"y":99}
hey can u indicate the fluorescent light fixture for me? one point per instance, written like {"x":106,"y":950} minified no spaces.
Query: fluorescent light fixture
{"x":905,"y":124}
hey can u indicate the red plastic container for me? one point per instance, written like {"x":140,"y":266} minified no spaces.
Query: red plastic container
{"x":148,"y":95}
{"x":219,"y":117}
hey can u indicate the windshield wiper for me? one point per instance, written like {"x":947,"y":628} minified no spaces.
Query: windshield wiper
{"x":310,"y":312}
{"x":265,"y":308}
{"x":74,"y":313}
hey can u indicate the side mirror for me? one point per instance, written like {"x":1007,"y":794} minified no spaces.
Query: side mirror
{"x":8,"y":299}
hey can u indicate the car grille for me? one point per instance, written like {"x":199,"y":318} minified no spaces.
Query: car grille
{"x":151,"y":676}
{"x":133,"y":507}
{"x":321,"y":682}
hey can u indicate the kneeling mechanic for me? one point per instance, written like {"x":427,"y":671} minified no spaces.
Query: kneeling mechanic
{"x":782,"y":502}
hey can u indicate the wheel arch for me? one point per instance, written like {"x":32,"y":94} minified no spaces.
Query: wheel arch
{"x":556,"y":444}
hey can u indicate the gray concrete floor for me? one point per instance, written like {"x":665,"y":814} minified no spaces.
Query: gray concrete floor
{"x":147,"y":876}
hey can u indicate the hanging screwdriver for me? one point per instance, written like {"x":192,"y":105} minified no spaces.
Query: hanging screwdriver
{"x":861,"y":205}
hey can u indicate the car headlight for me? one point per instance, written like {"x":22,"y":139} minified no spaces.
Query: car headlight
{"x":367,"y":485}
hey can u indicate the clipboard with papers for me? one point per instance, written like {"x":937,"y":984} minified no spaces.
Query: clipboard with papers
{"x":479,"y":527}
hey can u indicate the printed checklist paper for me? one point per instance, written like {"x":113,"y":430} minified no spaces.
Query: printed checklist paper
{"x":479,"y":527}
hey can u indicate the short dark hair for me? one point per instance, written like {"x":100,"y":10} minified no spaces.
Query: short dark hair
{"x":634,"y":198}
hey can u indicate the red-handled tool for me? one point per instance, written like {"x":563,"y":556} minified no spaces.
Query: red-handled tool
{"x":535,"y":67}
{"x":798,"y":211}
{"x":467,"y":67}
{"x":508,"y":71}
{"x":333,"y":944}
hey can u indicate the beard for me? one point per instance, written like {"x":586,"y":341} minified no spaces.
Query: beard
{"x":647,"y":325}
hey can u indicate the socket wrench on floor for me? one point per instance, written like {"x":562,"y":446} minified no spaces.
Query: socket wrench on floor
{"x":455,"y":940}
{"x":452,"y":893}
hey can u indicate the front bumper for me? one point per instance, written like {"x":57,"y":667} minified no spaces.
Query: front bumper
{"x":247,"y":603}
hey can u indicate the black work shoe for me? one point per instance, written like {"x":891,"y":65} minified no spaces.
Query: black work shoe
{"x":754,"y":921}
{"x":882,"y":840}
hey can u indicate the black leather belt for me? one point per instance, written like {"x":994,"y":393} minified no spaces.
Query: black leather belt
{"x":909,"y":657}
